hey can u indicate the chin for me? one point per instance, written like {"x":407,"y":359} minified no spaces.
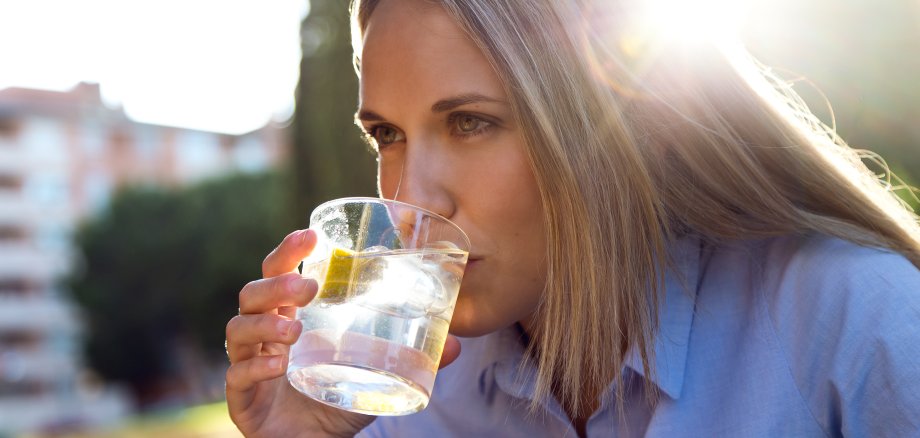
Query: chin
{"x":469,"y":321}
{"x":468,"y":331}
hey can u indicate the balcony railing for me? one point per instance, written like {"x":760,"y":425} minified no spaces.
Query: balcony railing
{"x":41,"y":364}
{"x":25,"y":261}
{"x":17,"y":209}
{"x":36,"y":314}
{"x":34,"y":413}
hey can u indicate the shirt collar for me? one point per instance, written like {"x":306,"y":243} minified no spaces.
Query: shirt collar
{"x":510,"y":373}
{"x":675,"y":318}
{"x":505,"y":348}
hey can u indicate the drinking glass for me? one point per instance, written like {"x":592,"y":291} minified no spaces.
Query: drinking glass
{"x":388,"y":275}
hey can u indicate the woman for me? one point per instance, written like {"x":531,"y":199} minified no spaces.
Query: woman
{"x":664,"y":243}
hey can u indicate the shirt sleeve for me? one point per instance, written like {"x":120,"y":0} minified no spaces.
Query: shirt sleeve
{"x":848,"y":319}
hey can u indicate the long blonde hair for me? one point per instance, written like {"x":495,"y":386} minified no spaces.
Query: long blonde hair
{"x":630,"y":152}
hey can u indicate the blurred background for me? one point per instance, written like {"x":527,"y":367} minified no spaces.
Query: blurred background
{"x":153,"y":152}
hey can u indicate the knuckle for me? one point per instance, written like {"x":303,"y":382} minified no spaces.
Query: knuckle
{"x":293,"y":235}
{"x":267,"y":322}
{"x":246,"y":291}
{"x":233,"y":327}
{"x":281,"y":282}
{"x":267,"y":262}
{"x":231,"y":378}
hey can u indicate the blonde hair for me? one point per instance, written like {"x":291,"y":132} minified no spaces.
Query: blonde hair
{"x":629,"y":152}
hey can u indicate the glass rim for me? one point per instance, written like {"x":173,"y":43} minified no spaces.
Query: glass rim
{"x":360,"y":199}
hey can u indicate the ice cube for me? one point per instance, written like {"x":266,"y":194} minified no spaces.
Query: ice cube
{"x":374,"y":249}
{"x":437,"y":296}
{"x":427,"y":291}
{"x":442,"y":244}
{"x":403,"y":285}
{"x":370,"y":271}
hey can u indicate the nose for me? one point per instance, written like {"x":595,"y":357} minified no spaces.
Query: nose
{"x":423,"y":180}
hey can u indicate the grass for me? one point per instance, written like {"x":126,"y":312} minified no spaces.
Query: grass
{"x":205,"y":421}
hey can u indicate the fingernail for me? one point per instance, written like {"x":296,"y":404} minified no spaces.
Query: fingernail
{"x":294,"y":284}
{"x":303,"y":236}
{"x":275,"y":362}
{"x":309,"y":286}
{"x":295,"y":327}
{"x":284,"y":327}
{"x":298,"y":285}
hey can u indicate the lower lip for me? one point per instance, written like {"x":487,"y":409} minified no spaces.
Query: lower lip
{"x":471,"y":263}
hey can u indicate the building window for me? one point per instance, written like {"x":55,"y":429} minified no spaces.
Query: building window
{"x":10,"y":182}
{"x":14,"y":287}
{"x":146,"y":142}
{"x":47,"y":188}
{"x":52,"y":237}
{"x":11,"y":233}
{"x":45,"y":138}
{"x":19,"y":339}
{"x":199,"y":155}
{"x":92,"y":139}
{"x":250,"y":155}
{"x":97,"y":190}
{"x":8,"y":129}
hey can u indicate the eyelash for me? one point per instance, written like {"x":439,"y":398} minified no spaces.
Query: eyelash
{"x":368,"y":137}
{"x":370,"y":133}
{"x":486,"y":125}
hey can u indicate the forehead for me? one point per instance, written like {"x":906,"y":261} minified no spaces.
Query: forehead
{"x":413,"y":48}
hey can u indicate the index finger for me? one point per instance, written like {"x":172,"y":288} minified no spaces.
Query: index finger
{"x":287,"y":256}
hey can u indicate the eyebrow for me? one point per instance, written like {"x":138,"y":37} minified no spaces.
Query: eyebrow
{"x":368,"y":116}
{"x":463,"y":99}
{"x":438,"y":107}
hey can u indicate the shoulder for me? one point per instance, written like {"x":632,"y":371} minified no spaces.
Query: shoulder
{"x":823,"y":259}
{"x":820,"y":274}
{"x":847,"y":318}
{"x":837,"y":290}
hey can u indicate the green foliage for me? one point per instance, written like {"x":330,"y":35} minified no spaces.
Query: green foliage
{"x":329,"y":158}
{"x":861,"y":60}
{"x":161,"y":266}
{"x":906,"y":187}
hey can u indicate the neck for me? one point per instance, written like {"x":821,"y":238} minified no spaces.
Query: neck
{"x":528,"y":326}
{"x":591,"y":392}
{"x":590,"y":402}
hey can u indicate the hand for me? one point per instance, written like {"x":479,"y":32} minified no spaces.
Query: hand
{"x":260,"y":400}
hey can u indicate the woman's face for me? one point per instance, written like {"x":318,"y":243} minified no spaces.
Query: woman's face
{"x":448,"y":142}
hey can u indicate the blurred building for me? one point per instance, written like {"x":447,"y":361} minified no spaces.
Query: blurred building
{"x":62,"y":155}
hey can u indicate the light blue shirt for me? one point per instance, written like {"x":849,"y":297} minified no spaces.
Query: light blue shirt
{"x":784,"y":337}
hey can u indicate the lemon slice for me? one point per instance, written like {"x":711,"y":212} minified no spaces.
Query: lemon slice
{"x":376,"y":402}
{"x":340,"y":274}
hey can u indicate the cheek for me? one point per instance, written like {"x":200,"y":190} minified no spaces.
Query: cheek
{"x":506,"y":286}
{"x":388,"y":174}
{"x":517,"y":205}
{"x":495,"y":300}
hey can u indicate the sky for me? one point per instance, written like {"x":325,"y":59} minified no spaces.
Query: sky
{"x":226,"y":66}
{"x":232,"y":65}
